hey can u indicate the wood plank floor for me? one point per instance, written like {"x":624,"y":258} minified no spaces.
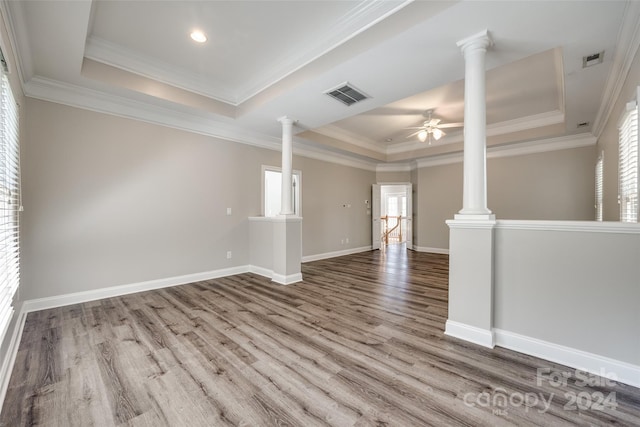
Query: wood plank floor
{"x":359,"y":343}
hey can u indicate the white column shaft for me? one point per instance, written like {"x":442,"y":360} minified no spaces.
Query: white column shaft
{"x":474,"y":200}
{"x":286,"y":203}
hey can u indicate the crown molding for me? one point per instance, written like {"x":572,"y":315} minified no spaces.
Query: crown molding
{"x":364,"y":16}
{"x":394,"y":167}
{"x":101,"y":102}
{"x":330,"y":156}
{"x":627,"y":48}
{"x":517,"y":149}
{"x":542,"y":146}
{"x":338,"y":133}
{"x":93,"y":100}
{"x":547,"y":118}
{"x":118,"y":56}
{"x":14,"y":20}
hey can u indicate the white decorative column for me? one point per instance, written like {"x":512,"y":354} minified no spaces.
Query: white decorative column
{"x":471,"y":232}
{"x":286,"y":246}
{"x":474,"y":199}
{"x":286,"y":205}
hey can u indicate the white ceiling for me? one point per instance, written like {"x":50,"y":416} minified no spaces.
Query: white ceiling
{"x":265,"y":59}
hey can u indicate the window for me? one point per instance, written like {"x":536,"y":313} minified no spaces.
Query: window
{"x":9,"y":203}
{"x":628,"y":164}
{"x":272,"y":191}
{"x":599,"y":170}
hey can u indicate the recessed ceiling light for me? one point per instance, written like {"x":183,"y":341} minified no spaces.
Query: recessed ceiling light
{"x":198,"y":36}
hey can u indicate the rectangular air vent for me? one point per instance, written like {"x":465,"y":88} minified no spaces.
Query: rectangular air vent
{"x":346,"y":94}
{"x":593,"y":59}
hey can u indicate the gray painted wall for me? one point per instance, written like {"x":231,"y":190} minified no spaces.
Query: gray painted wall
{"x":439,"y":198}
{"x":111,"y":201}
{"x":557,"y":185}
{"x":576,"y":289}
{"x":326,"y":189}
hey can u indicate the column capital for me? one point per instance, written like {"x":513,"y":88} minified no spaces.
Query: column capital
{"x":481,"y":40}
{"x":286,"y":120}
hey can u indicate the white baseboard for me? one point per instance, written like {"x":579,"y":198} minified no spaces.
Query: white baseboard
{"x":115,"y":291}
{"x":431,"y":250}
{"x":261,"y":271}
{"x":334,"y":254}
{"x":10,"y":356}
{"x":469,"y":333}
{"x":288,"y":279}
{"x":577,"y":359}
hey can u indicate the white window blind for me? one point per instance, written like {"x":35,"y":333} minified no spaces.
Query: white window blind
{"x":10,"y":205}
{"x":599,"y":193}
{"x":628,"y":164}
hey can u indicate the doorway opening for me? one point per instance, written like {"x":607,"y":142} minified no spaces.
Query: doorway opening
{"x":392,"y":222}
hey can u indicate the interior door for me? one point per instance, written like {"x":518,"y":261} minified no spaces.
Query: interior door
{"x":409,"y":232}
{"x":376,"y":231}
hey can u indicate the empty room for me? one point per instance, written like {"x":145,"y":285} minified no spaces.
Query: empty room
{"x":319,"y":213}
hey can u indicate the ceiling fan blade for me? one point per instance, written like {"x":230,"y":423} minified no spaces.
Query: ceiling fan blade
{"x":414,"y":134}
{"x":433,"y":122}
{"x":451,"y":125}
{"x":415,"y":127}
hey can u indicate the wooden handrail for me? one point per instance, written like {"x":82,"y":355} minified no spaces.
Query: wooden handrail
{"x":385,"y":234}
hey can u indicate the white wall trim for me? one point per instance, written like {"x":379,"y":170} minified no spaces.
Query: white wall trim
{"x":10,"y":356}
{"x":118,"y":56}
{"x":100,"y":102}
{"x":115,"y":291}
{"x":547,"y":118}
{"x":578,"y":359}
{"x":261,"y":271}
{"x":627,"y":46}
{"x":394,"y":167}
{"x":542,"y":146}
{"x":327,"y":155}
{"x":516,"y":149}
{"x":431,"y":250}
{"x":334,"y":254}
{"x":288,"y":279}
{"x":471,"y":223}
{"x":469,"y":333}
{"x":581,"y":226}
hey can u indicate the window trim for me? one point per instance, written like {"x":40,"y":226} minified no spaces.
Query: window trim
{"x":628,"y":165}
{"x":297,"y":208}
{"x":11,"y":203}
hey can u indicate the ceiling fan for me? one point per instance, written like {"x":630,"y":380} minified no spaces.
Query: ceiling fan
{"x":431,"y":128}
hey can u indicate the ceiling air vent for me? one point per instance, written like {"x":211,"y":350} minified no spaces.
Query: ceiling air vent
{"x":346,"y":94}
{"x":593,"y":59}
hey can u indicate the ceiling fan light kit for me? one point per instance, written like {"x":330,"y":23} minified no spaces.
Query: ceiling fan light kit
{"x":430,"y":129}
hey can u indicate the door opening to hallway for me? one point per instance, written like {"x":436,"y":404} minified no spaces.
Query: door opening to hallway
{"x":392,"y":215}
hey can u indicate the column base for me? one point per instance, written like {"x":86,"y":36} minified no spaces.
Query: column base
{"x":471,"y":278}
{"x":488,"y":216}
{"x":287,"y":249}
{"x":483,"y":337}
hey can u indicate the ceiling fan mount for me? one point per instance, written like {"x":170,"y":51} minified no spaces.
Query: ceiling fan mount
{"x":431,"y":128}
